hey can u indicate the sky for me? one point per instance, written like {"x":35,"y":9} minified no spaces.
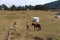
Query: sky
{"x":24,"y":2}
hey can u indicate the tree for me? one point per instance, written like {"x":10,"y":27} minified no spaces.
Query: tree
{"x":41,"y":7}
{"x":13,"y":8}
{"x":20,"y":8}
{"x":26,"y":7}
{"x":37,"y":7}
{"x":0,"y":7}
{"x":5,"y":7}
{"x":30,"y":7}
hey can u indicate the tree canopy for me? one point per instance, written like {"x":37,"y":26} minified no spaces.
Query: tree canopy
{"x":30,"y":7}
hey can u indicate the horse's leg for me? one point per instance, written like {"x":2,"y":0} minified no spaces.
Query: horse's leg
{"x":34,"y":28}
{"x":40,"y":28}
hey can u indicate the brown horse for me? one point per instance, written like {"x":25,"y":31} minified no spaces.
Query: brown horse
{"x":36,"y":25}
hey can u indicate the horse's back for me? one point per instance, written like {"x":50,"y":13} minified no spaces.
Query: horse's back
{"x":38,"y":25}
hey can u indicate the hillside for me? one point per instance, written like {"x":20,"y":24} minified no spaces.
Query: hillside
{"x":55,"y":4}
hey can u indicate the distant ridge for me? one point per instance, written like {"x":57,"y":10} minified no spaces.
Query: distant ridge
{"x":55,"y":4}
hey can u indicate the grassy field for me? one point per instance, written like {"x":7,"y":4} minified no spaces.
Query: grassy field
{"x":50,"y":25}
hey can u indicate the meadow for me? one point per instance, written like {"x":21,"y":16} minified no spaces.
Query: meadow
{"x":50,"y":25}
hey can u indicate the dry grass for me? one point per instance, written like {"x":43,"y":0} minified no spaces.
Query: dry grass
{"x":50,"y":25}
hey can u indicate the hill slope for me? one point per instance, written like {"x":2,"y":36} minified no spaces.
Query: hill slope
{"x":55,"y":4}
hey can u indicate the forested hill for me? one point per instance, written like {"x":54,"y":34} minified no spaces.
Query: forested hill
{"x":55,"y":4}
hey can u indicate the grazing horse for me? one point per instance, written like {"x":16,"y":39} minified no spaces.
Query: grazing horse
{"x":36,"y":25}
